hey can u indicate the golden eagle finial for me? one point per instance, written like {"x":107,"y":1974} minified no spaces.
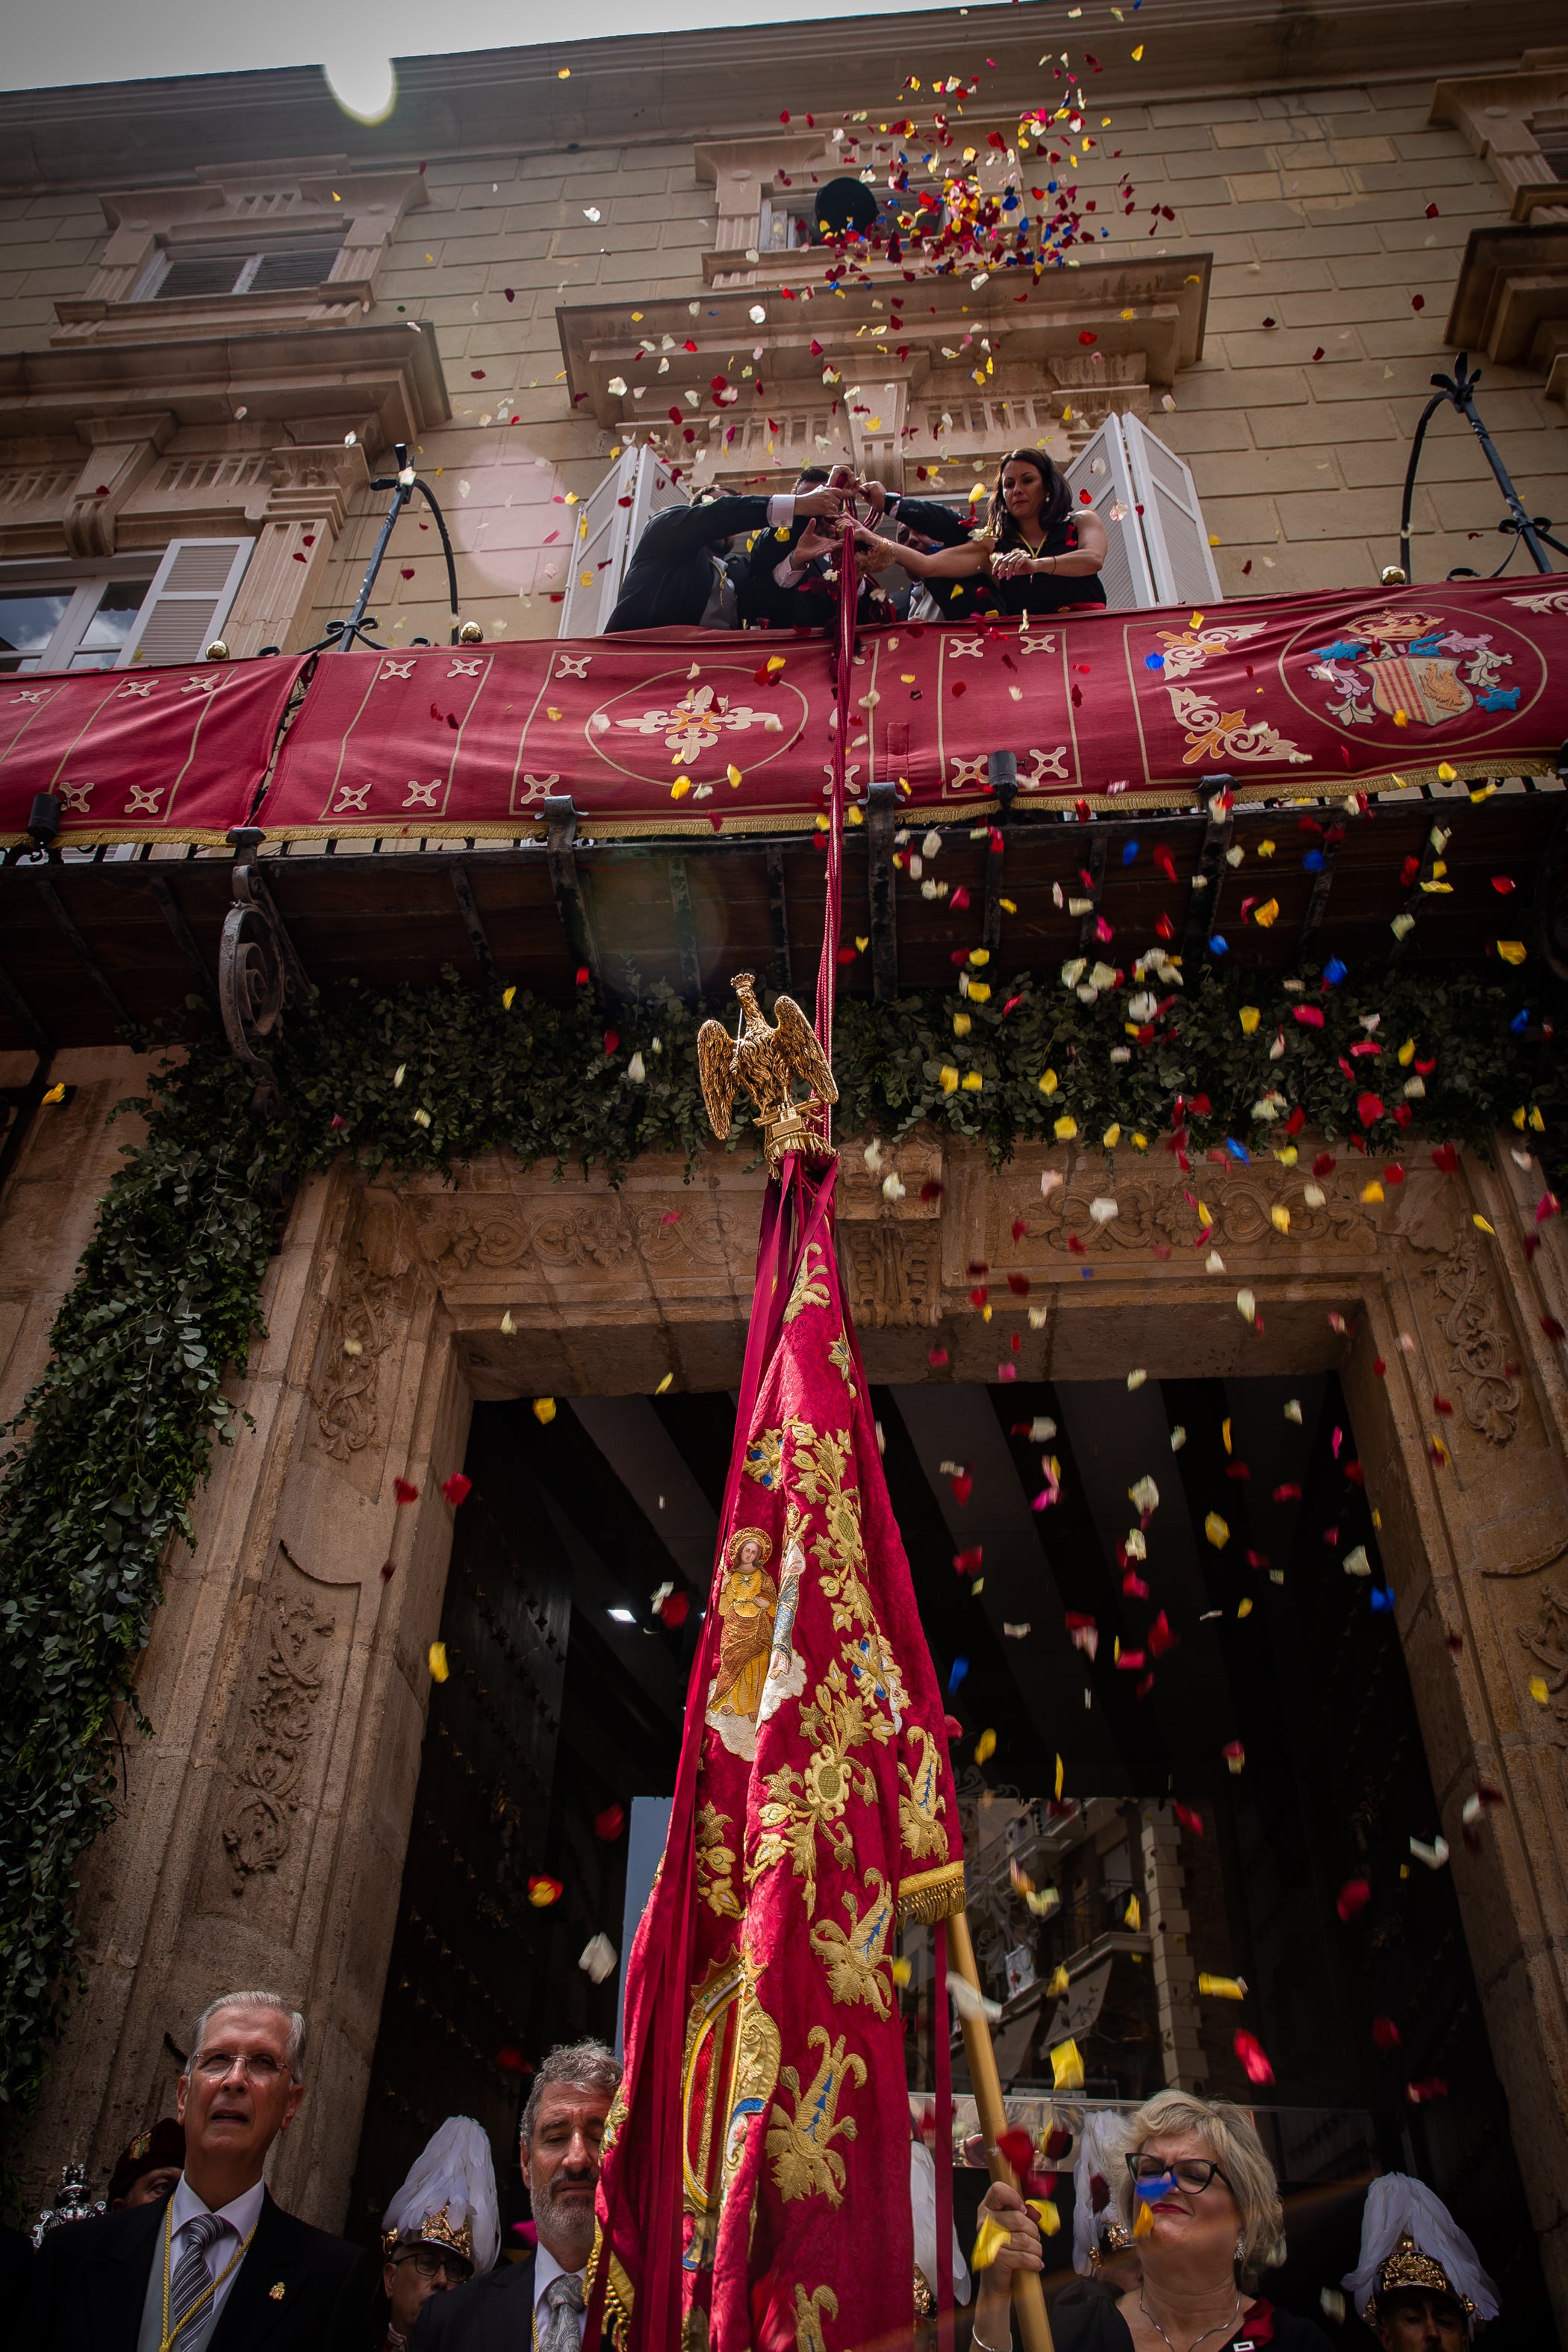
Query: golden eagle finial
{"x":766,"y":1058}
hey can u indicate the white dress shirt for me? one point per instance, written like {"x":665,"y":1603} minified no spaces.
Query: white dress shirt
{"x":545,"y":2268}
{"x":242,"y":2215}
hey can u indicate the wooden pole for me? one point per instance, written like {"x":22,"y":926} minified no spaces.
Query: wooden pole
{"x":1028,"y":2295}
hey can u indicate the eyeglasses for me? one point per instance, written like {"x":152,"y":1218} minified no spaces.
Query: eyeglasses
{"x":429,"y":2263}
{"x":1193,"y":2173}
{"x":259,"y":2067}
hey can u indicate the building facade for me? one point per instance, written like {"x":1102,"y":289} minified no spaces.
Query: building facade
{"x":222,"y":305}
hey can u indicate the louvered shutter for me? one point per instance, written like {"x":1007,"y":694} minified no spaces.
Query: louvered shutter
{"x":606,"y":532}
{"x":1179,"y":552}
{"x":188,"y":601}
{"x":1102,"y":468}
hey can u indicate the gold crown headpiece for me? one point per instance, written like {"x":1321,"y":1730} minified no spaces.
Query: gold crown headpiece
{"x":434,"y":2230}
{"x":1408,"y":2266}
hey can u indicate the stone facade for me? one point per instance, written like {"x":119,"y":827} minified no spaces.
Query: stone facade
{"x":285,"y":1679}
{"x":1330,"y":224}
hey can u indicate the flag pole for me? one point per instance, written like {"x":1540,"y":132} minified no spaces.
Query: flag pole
{"x":1028,"y":2295}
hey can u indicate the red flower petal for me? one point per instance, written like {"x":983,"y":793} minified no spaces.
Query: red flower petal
{"x":403,"y":1491}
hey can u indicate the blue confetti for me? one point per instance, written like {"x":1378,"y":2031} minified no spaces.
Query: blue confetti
{"x":1520,"y":1020}
{"x":1130,"y":852}
{"x":1313,"y":861}
{"x":1333,"y":972}
{"x":1381,"y":1600}
{"x":1153,"y":661}
{"x":1238,"y":1151}
{"x":1149,"y":2191}
{"x":1087,"y":1272}
{"x":1219,"y":945}
{"x":960,"y":1668}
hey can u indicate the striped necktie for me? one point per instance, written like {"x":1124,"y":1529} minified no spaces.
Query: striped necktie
{"x":192,"y":2280}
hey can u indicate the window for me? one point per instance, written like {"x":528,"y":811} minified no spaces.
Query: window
{"x":79,"y":627}
{"x":106,"y":620}
{"x":195,"y":271}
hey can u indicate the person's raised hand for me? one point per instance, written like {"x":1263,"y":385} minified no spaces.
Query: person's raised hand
{"x":821,"y":502}
{"x":1004,"y":2205}
{"x":814,"y":542}
{"x":1013,"y":563}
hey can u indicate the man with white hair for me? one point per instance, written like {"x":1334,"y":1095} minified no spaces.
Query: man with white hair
{"x":215,"y":2265}
{"x":539,"y":2302}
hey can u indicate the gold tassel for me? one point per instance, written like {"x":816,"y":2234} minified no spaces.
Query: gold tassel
{"x":930,"y":1894}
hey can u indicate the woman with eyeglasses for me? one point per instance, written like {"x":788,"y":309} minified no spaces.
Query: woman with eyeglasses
{"x":1041,"y":551}
{"x":1198,"y":2173}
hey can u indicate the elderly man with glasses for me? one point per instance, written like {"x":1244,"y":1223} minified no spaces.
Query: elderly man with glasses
{"x":216,"y":2266}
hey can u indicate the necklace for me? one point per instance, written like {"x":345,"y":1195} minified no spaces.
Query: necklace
{"x":166,"y":2335}
{"x":1203,"y":2338}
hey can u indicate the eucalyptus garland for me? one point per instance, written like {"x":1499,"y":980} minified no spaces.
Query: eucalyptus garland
{"x":109,"y":1447}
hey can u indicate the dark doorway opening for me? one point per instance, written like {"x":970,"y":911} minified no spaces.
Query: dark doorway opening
{"x":564,"y":1700}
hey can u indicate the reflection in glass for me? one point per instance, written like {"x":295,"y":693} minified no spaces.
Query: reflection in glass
{"x":104,"y":636}
{"x":26,"y":623}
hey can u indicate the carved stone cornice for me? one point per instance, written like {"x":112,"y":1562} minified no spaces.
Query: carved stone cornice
{"x":1510,"y":299}
{"x":122,"y":453}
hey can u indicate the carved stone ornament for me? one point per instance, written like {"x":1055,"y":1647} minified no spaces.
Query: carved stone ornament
{"x":894,"y":1273}
{"x":1469,"y":1319}
{"x":1151,"y":1213}
{"x":1547,"y":1643}
{"x":256,"y":1826}
{"x":345,"y":1391}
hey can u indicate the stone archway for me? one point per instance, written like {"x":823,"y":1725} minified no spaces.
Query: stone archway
{"x":265,"y":1833}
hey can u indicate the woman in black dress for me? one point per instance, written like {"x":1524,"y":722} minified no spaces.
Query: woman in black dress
{"x":1041,"y":554}
{"x":1199,"y":2171}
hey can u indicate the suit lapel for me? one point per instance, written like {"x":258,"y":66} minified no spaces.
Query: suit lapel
{"x":117,"y":2284}
{"x":252,"y":2308}
{"x":507,"y":2327}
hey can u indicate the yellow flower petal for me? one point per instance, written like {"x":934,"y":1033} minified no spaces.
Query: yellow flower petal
{"x":1512,"y":950}
{"x":1067,"y":2067}
{"x":1217,"y":1531}
{"x":1538,"y":1690}
{"x":1279,"y":1217}
{"x":436,"y":1660}
{"x":992,"y":2237}
{"x":1048,"y":1083}
{"x":1066,"y":1128}
{"x":1482,"y":1225}
{"x":984,"y":1746}
{"x":1250,"y":1018}
{"x":949,"y":1078}
{"x":506,"y":996}
{"x":973,"y":1082}
{"x":544,"y":1409}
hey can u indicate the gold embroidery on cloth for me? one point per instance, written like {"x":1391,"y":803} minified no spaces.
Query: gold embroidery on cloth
{"x":716,"y":1864}
{"x":748,"y":1605}
{"x":854,"y":1960}
{"x":805,"y":2162}
{"x":810,"y":1289}
{"x":619,"y":2292}
{"x":920,"y":1801}
{"x":764,"y":1457}
{"x":802,"y":1802}
{"x":820,"y":1463}
{"x":757,"y":2053}
{"x":808,"y":2335}
{"x":840,"y":1354}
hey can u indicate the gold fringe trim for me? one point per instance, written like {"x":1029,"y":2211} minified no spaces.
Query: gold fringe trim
{"x":930,"y":1894}
{"x":619,"y":2293}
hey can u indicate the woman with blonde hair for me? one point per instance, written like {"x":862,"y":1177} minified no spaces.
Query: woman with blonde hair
{"x":1041,"y":554}
{"x":1199,"y":2197}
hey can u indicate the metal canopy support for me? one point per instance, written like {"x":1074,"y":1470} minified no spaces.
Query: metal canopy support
{"x":881,"y":818}
{"x":561,"y":856}
{"x":1203,"y":908}
{"x":778,"y":907}
{"x":1322,"y":883}
{"x":463,"y":891}
{"x":685,"y":929}
{"x":173,"y":915}
{"x":26,"y":1019}
{"x":95,"y":971}
{"x":1098,"y":840}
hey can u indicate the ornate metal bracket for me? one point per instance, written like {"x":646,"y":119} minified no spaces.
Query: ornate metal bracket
{"x":1532,"y":532}
{"x":258,"y":972}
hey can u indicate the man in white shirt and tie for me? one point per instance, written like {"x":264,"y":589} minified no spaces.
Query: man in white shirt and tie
{"x":537,"y":2305}
{"x":217,"y":2265}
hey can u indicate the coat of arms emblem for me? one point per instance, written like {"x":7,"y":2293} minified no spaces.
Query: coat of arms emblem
{"x":1413,"y":667}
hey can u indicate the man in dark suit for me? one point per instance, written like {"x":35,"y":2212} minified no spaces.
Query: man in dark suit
{"x":215,"y":2266}
{"x":539,"y":2301}
{"x":677,"y":577}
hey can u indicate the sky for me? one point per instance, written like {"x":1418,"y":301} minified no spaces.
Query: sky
{"x":73,"y":41}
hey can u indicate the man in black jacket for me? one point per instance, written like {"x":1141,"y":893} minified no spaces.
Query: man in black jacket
{"x":215,"y":2266}
{"x":677,"y":578}
{"x":537,"y":2305}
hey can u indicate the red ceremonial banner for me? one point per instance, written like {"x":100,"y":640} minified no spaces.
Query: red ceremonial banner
{"x":756,"y":2185}
{"x":144,"y":754}
{"x":671,"y":731}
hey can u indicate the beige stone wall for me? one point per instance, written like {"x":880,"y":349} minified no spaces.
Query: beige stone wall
{"x":1312,"y":201}
{"x":1313,"y":205}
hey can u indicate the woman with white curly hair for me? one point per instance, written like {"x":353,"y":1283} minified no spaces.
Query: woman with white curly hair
{"x":1199,"y":2198}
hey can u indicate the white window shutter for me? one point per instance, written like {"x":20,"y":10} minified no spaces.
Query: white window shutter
{"x":1126,"y":575}
{"x":188,"y":602}
{"x":599,"y":552}
{"x":606,"y":533}
{"x":1179,"y":552}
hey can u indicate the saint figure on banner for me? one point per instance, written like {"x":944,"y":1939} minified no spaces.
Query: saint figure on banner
{"x":747,"y":1604}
